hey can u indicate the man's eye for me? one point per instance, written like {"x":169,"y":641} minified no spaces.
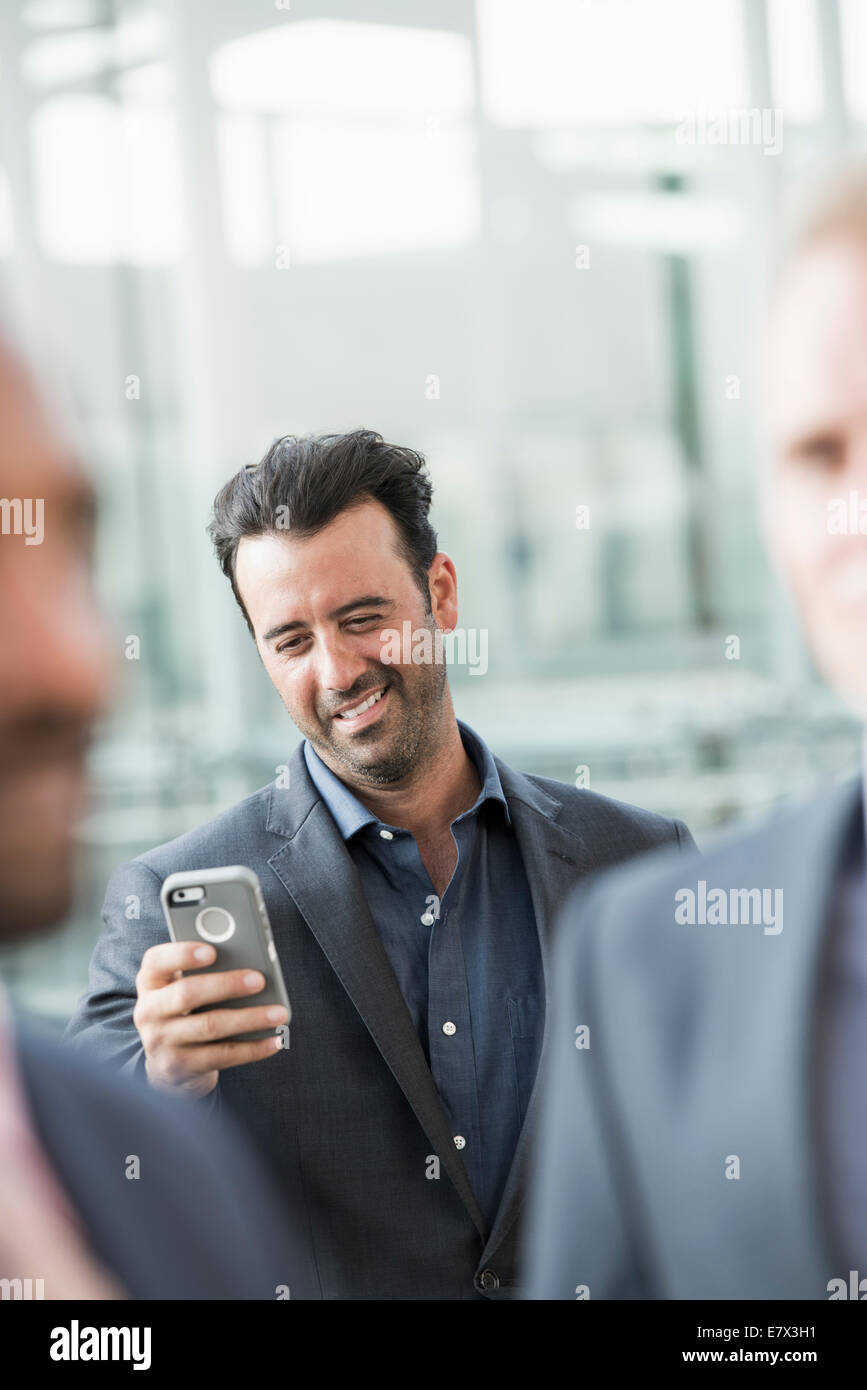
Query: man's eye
{"x":822,"y":451}
{"x":298,"y":641}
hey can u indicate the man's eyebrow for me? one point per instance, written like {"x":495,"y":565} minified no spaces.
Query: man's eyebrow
{"x":366,"y":601}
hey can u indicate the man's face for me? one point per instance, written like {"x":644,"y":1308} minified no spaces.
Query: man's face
{"x":318,"y":607}
{"x":815,"y":486}
{"x":53,"y":660}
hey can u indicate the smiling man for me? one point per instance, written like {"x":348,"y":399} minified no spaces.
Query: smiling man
{"x":411,"y":879}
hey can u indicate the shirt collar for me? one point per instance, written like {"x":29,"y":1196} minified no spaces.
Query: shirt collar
{"x":349,"y":813}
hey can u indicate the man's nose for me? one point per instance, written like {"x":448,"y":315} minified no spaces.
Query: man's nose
{"x":340,"y":663}
{"x":56,"y":648}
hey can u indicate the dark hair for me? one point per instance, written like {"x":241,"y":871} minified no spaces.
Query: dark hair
{"x":303,"y":483}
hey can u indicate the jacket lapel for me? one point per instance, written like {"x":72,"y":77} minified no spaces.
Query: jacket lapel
{"x":319,"y":875}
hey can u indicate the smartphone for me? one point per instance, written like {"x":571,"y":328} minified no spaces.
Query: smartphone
{"x":225,"y":908}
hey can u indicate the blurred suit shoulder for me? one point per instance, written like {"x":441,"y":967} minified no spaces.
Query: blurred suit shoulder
{"x":777,"y":842}
{"x":201,"y":1219}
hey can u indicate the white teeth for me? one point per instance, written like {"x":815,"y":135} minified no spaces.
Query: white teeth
{"x":359,"y":709}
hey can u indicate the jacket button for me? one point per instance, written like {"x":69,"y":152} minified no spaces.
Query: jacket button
{"x":489,"y":1280}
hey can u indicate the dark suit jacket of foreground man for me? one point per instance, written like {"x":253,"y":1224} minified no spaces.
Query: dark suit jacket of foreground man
{"x":710,"y":1043}
{"x":348,"y":1114}
{"x":201,"y":1220}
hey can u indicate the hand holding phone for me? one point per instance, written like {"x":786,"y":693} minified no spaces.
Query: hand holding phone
{"x":195,"y":1019}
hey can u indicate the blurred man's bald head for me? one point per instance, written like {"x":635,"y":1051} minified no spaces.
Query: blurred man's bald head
{"x":53,"y":661}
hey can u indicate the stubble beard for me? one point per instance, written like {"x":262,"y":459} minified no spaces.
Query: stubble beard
{"x":412,"y":743}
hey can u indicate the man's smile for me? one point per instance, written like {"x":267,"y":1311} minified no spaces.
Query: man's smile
{"x":365,"y":711}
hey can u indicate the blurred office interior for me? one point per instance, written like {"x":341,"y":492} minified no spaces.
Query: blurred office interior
{"x":480,"y":229}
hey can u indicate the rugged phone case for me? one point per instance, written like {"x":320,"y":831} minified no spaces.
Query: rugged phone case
{"x":231,"y":916}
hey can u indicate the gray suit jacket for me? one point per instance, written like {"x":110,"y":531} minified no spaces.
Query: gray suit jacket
{"x":704,"y":1048}
{"x":349,"y":1115}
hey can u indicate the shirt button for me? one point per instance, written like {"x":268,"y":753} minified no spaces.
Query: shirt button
{"x":427,"y":919}
{"x":386,"y":834}
{"x":460,"y":1141}
{"x":489,"y":1280}
{"x":449,"y":1028}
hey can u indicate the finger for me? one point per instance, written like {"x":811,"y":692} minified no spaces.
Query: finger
{"x":182,"y":996}
{"x":222,"y":1023}
{"x":219,"y":1056}
{"x":160,"y":964}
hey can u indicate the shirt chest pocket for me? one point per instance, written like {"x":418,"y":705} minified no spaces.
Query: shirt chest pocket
{"x":521,"y":1016}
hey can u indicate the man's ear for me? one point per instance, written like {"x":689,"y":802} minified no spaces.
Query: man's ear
{"x":443,"y":588}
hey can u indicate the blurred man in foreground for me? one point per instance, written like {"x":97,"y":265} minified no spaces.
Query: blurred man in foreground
{"x":705,"y":1121}
{"x":106,"y":1190}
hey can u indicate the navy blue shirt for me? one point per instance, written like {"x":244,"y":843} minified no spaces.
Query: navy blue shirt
{"x":469,"y":964}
